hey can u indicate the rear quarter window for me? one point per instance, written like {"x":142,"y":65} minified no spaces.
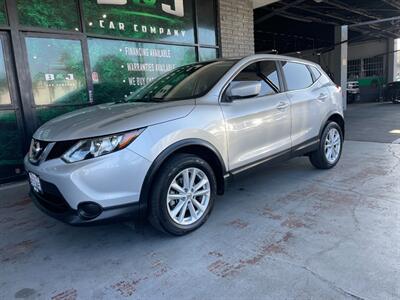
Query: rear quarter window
{"x":316,"y":73}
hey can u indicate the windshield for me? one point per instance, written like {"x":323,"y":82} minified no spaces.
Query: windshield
{"x":185,"y":82}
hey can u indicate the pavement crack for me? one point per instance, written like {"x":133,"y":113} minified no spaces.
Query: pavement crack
{"x":395,"y":156}
{"x":330,"y":283}
{"x":326,"y":250}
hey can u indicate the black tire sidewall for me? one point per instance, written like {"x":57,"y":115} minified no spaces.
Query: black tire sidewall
{"x":169,"y":171}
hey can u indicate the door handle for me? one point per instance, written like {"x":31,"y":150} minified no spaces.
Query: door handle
{"x":282,"y":105}
{"x":322,"y":97}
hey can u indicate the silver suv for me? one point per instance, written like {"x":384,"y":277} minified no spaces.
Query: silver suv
{"x":166,"y":151}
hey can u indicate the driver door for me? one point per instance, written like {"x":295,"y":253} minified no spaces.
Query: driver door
{"x":257,"y":127}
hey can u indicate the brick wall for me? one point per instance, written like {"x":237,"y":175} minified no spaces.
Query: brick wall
{"x":236,"y":27}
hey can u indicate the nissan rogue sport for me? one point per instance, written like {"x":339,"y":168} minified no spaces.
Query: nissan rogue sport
{"x":167,"y":150}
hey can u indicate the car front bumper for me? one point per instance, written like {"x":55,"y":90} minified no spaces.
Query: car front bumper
{"x":111,"y":184}
{"x":73,"y":217}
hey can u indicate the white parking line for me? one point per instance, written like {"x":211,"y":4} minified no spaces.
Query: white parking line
{"x":396,"y":141}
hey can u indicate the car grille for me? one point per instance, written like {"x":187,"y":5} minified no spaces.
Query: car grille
{"x":36,"y":150}
{"x":59,"y":148}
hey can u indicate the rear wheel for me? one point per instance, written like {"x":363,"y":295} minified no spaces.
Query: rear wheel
{"x":330,"y":147}
{"x":183,"y":194}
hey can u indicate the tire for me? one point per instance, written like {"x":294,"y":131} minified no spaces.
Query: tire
{"x":161,"y":214}
{"x":320,"y":158}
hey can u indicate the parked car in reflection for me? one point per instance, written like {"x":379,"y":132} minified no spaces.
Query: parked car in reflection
{"x":166,"y":151}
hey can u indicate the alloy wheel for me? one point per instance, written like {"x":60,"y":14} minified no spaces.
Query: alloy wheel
{"x":333,"y":144}
{"x":188,"y":196}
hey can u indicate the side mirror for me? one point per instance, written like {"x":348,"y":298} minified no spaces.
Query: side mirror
{"x":243,"y":89}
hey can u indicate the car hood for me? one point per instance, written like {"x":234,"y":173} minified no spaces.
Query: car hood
{"x":111,"y":118}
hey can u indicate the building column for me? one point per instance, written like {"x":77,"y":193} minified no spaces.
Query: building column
{"x":340,"y":58}
{"x":391,"y":61}
{"x":236,"y":27}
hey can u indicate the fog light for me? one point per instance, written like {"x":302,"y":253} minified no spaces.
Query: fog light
{"x":89,"y":210}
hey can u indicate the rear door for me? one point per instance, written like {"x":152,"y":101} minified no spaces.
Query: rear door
{"x":307,"y":99}
{"x":257,"y":127}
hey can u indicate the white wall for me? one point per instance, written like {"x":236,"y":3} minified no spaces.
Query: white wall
{"x":328,"y":60}
{"x":367,"y":49}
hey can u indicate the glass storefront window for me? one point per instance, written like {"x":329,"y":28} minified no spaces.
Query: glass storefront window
{"x":119,"y":68}
{"x":141,"y":19}
{"x":4,"y":89}
{"x":3,"y":13}
{"x":52,"y":14}
{"x":57,"y":71}
{"x":206,"y":22}
{"x":10,"y":145}
{"x":207,"y":54}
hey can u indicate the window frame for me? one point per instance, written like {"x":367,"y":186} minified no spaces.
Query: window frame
{"x":310,"y":68}
{"x":282,"y":87}
{"x":300,"y":63}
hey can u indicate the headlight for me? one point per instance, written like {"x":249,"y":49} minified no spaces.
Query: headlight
{"x":95,"y":147}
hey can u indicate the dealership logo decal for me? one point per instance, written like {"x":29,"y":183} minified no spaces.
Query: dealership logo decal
{"x":177,"y":10}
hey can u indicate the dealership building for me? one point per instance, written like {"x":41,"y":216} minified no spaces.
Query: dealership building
{"x":61,"y":55}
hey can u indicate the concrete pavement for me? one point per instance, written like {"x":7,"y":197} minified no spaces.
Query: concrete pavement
{"x":286,"y":232}
{"x":373,"y":122}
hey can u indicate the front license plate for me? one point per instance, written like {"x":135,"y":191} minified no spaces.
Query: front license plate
{"x":35,"y":183}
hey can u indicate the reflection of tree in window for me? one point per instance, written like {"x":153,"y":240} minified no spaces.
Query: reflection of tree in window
{"x":185,"y":82}
{"x":57,"y":71}
{"x":111,"y":86}
{"x":54,"y":14}
{"x":10,"y":142}
{"x":4,"y":90}
{"x":3,"y":13}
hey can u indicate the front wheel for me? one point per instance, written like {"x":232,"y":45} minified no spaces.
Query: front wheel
{"x":330,"y":147}
{"x":183,"y":194}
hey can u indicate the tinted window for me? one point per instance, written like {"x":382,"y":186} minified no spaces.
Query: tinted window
{"x":54,"y":14}
{"x":57,"y":71}
{"x":206,"y":22}
{"x":120,"y":68}
{"x":207,"y":54}
{"x":253,"y":73}
{"x":185,"y":82}
{"x":297,"y":76}
{"x":3,"y":12}
{"x":315,"y":72}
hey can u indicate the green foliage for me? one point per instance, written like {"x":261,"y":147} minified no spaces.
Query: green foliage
{"x":54,"y":14}
{"x":10,"y":138}
{"x":109,"y":61}
{"x":3,"y":13}
{"x":139,"y":12}
{"x":60,"y":58}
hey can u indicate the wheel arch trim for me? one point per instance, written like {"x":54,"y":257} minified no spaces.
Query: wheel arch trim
{"x":165,"y":154}
{"x":332,"y":115}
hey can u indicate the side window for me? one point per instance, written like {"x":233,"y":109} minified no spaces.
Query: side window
{"x":316,"y":73}
{"x":253,"y":73}
{"x":270,"y":73}
{"x":297,"y":76}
